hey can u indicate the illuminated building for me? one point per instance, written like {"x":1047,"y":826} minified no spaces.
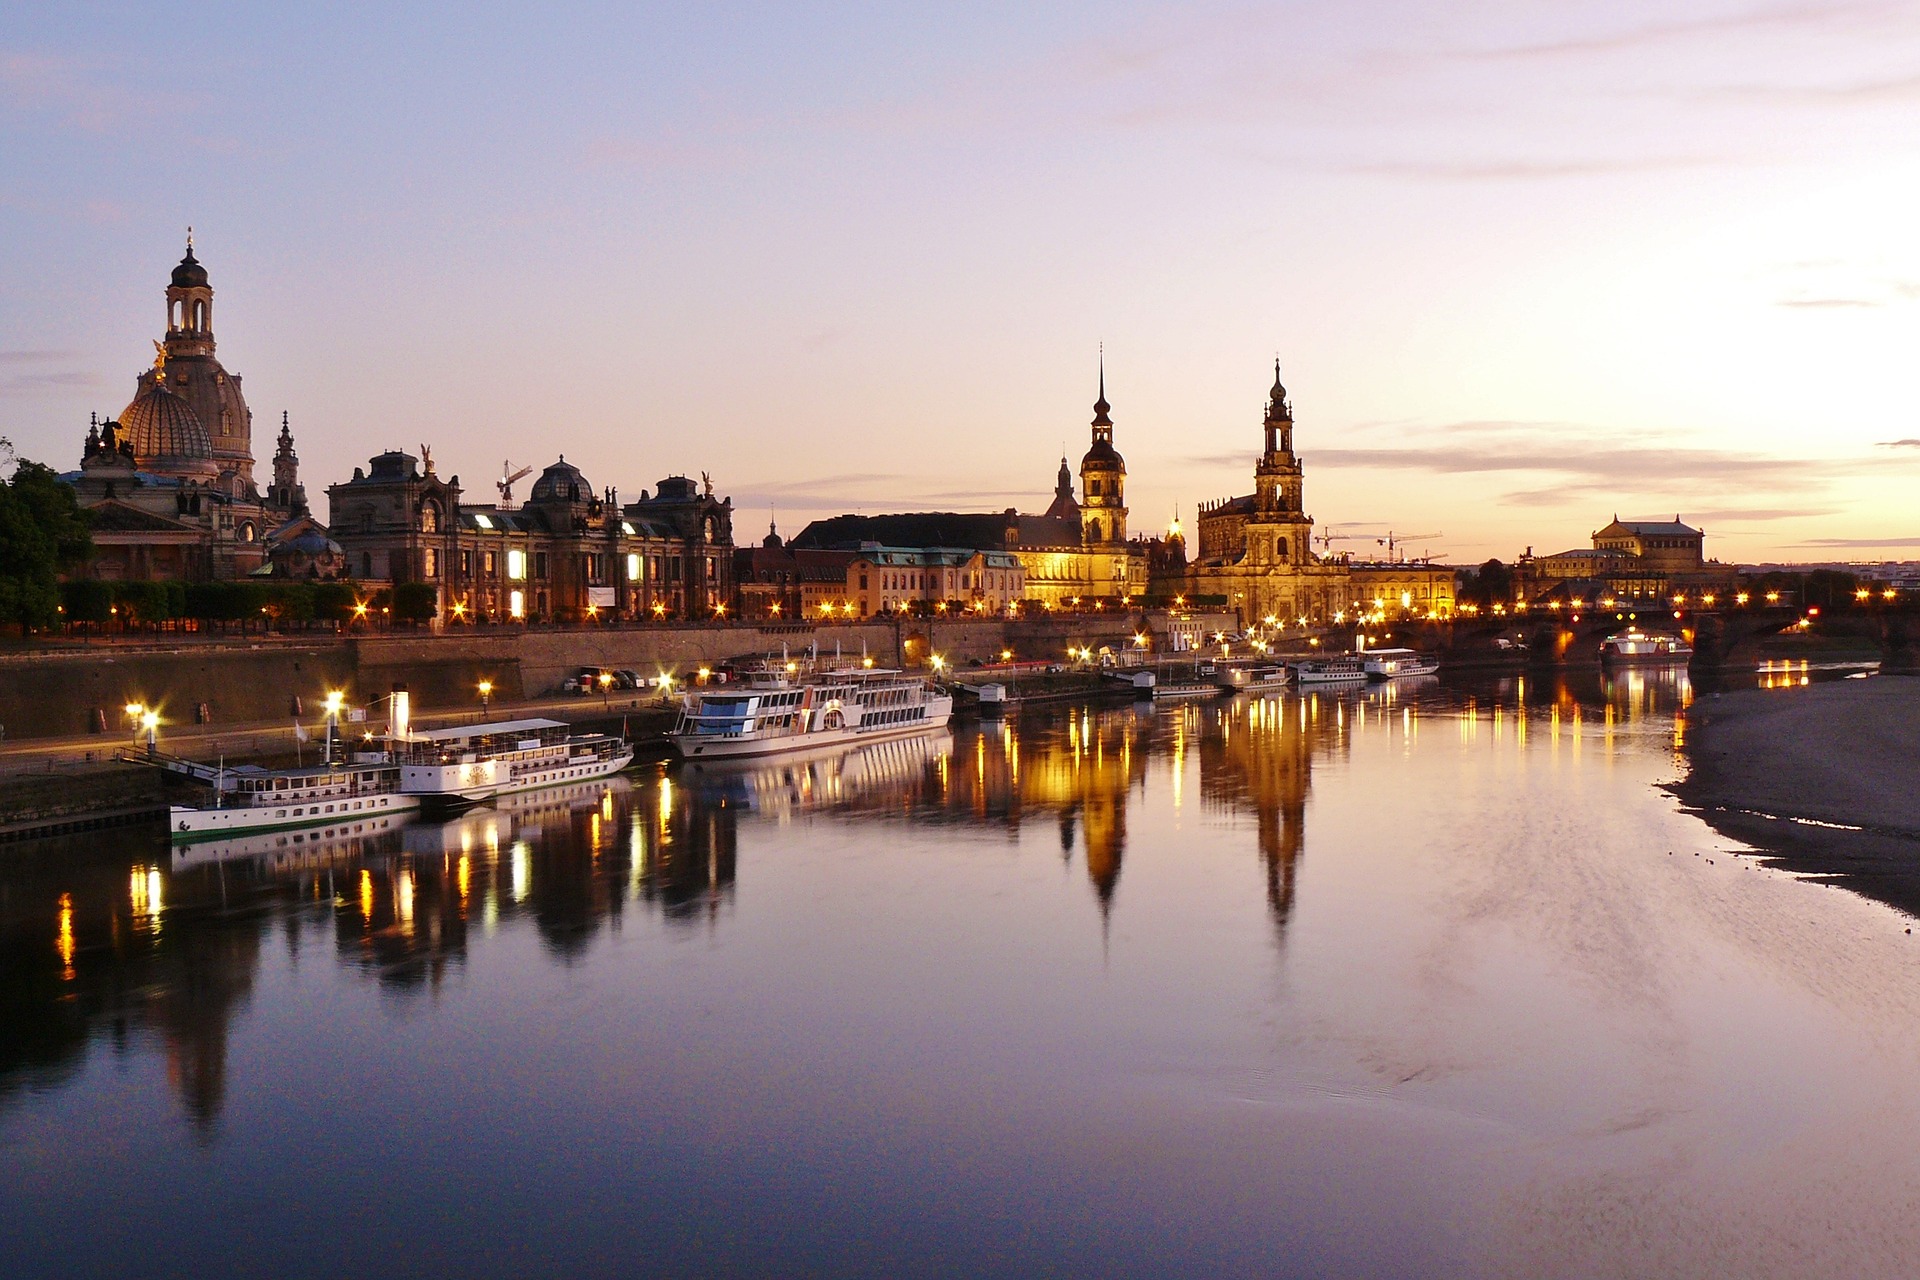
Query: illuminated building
{"x":169,"y":486}
{"x":1077,"y":550}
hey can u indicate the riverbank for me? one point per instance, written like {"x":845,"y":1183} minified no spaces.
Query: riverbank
{"x":1824,"y":778}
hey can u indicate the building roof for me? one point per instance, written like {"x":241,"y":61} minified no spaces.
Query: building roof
{"x":1650,"y":529}
{"x":113,"y":516}
{"x":926,"y":557}
{"x":484,"y":730}
{"x":561,"y":482}
{"x":190,"y":274}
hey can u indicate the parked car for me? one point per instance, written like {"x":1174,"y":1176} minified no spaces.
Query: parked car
{"x":623,"y":678}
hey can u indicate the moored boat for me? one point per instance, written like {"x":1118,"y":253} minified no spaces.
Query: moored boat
{"x":773,"y":712}
{"x":1391,"y":664}
{"x":1252,"y":679}
{"x":249,"y":799}
{"x":1636,"y":646}
{"x":1335,"y":669}
{"x":441,"y":771}
{"x":451,"y":769}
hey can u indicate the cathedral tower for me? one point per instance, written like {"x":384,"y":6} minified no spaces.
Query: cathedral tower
{"x":1103,"y":479}
{"x":1279,"y":531}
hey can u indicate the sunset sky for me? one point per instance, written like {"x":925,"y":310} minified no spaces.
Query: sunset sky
{"x":1525,"y":265}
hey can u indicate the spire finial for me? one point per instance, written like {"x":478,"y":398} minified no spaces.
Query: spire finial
{"x":1100,"y":406}
{"x":189,"y":242}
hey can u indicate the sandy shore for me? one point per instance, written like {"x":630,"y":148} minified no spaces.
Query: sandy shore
{"x":1825,"y":777}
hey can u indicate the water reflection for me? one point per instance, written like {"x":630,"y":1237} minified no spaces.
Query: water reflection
{"x":114,"y":943}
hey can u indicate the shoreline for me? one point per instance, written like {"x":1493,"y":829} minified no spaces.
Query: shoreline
{"x":1823,"y":780}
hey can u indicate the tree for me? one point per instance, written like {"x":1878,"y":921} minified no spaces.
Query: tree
{"x":43,"y":532}
{"x":1490,"y":584}
{"x":415,"y":602}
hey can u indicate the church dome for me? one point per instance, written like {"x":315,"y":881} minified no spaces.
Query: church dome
{"x":162,"y":426}
{"x":561,"y":482}
{"x":189,"y":274}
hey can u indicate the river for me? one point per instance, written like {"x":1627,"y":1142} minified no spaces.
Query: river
{"x":1413,"y":980}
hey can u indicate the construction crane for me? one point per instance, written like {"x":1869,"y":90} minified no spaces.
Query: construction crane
{"x":1327,"y":539}
{"x":1394,"y":540}
{"x":508,"y":476}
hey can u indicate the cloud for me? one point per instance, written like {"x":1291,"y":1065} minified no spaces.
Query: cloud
{"x":93,"y":95}
{"x":35,"y":357}
{"x":1573,"y":458}
{"x":1658,"y":33}
{"x":1897,"y":89}
{"x":30,"y":383}
{"x":1528,"y":170}
{"x":1827,"y":303}
{"x":1908,"y":443}
{"x":1762,"y":513}
{"x":1861,"y":542}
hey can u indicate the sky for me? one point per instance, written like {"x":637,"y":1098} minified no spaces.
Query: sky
{"x":1526,"y":266}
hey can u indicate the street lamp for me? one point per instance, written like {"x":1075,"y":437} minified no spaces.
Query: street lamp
{"x":606,"y":683}
{"x":486,"y":697}
{"x":334,"y":698}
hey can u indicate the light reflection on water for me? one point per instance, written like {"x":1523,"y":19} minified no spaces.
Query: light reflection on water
{"x":1420,"y":978}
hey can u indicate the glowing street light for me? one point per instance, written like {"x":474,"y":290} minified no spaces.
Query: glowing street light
{"x":150,"y":722}
{"x":486,"y":696}
{"x":334,"y":698}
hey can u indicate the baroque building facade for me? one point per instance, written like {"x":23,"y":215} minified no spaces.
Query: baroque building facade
{"x":169,"y":484}
{"x":1630,"y":560}
{"x":568,"y":554}
{"x":1076,"y":551}
{"x":1255,"y":552}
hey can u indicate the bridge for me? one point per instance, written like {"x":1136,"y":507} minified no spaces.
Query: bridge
{"x":1721,"y":636}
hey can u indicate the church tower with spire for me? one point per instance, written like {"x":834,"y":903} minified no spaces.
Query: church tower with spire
{"x":1279,"y":532}
{"x":1103,"y":479}
{"x":189,"y":369}
{"x":288,"y":493}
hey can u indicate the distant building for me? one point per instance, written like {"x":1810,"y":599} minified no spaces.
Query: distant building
{"x":1078,"y":550}
{"x":1402,"y":587}
{"x":896,"y":579}
{"x":169,"y":484}
{"x":776,"y":581}
{"x":568,"y":554}
{"x":1630,"y":560}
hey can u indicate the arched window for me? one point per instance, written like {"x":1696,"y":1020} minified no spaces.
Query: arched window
{"x":199,"y":317}
{"x":430,"y":517}
{"x":366,"y":564}
{"x":246,"y":532}
{"x":1280,"y":548}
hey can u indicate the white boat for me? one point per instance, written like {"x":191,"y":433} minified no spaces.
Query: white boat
{"x":1635,"y":645}
{"x":444,"y":769}
{"x":465,"y":765}
{"x":1264,"y":679}
{"x":249,"y":799}
{"x":1338,"y":669}
{"x":1391,"y":664}
{"x":772,"y":712}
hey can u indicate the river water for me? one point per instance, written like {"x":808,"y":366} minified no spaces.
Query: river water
{"x":1423,"y":980}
